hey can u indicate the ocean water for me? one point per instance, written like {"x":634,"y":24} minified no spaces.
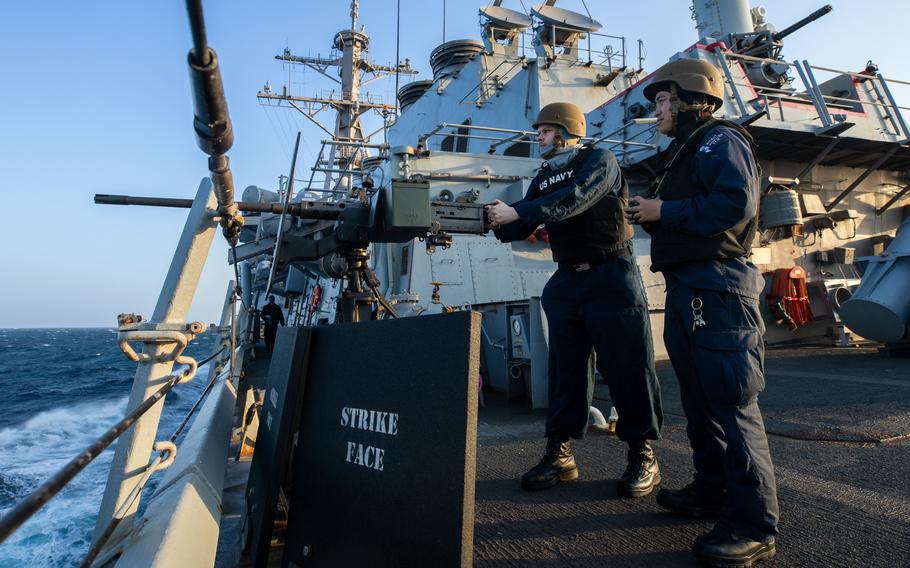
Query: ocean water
{"x":62,"y":389}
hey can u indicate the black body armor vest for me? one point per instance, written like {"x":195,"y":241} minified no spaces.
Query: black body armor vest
{"x":670,"y":248}
{"x":595,"y":233}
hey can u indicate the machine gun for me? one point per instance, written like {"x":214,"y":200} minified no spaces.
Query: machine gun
{"x":337,"y":245}
{"x":767,"y":44}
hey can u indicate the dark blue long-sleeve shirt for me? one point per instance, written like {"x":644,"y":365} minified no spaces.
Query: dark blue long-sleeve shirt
{"x":598,"y":175}
{"x":724,"y":163}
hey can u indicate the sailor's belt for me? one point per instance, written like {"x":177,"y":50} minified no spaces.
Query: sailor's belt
{"x":588,"y":262}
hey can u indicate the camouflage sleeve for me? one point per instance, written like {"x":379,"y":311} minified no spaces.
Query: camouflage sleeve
{"x":597,"y":176}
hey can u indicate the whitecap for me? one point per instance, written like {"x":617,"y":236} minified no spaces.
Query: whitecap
{"x":59,"y":533}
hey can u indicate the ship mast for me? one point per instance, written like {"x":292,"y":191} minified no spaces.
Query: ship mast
{"x":349,"y":49}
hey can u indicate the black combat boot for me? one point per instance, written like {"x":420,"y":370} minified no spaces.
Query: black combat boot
{"x":690,"y":502}
{"x":642,"y":475}
{"x":557,"y":464}
{"x":724,"y":548}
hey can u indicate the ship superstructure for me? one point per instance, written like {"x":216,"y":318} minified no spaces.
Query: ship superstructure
{"x":832,"y":147}
{"x":394,"y":228}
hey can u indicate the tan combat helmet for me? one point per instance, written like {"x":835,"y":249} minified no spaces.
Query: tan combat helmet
{"x":567,"y":115}
{"x":691,"y":75}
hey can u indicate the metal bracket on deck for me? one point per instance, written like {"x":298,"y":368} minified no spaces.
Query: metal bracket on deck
{"x":148,"y":332}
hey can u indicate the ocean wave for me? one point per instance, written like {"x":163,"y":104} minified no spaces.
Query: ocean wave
{"x":64,"y":398}
{"x":59,"y":534}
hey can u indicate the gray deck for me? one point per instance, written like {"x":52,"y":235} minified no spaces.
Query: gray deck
{"x":842,"y":503}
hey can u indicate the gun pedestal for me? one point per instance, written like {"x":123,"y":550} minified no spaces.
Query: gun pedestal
{"x":357,"y":301}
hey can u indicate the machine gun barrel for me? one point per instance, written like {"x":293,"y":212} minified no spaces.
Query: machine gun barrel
{"x":802,"y":23}
{"x":211,"y":121}
{"x":301,"y":209}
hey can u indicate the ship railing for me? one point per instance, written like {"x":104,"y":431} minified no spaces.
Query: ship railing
{"x":491,"y":81}
{"x":320,"y":188}
{"x":165,"y":343}
{"x":188,"y":485}
{"x":333,"y":176}
{"x":826,"y":105}
{"x":32,"y":503}
{"x":876,"y":94}
{"x":592,"y":47}
{"x":192,"y":481}
{"x":498,"y":136}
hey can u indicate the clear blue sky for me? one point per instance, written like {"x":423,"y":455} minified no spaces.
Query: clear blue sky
{"x":95,"y":99}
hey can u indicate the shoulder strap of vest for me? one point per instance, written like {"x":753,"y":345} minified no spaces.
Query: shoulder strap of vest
{"x":737,"y":127}
{"x":685,"y":149}
{"x":584,"y":151}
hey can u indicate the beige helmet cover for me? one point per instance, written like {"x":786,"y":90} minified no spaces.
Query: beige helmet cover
{"x":567,"y":115}
{"x":692,"y":75}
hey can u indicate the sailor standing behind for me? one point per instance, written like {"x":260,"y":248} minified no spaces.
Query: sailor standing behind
{"x":271,"y":317}
{"x":702,"y":216}
{"x":595,"y":299}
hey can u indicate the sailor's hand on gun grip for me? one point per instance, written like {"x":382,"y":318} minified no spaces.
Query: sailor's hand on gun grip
{"x":500,"y":213}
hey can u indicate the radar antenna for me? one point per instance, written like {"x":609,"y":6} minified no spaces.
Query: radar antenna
{"x":349,"y":49}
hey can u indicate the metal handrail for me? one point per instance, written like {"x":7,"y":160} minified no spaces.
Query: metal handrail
{"x":438,"y":131}
{"x":39,"y":497}
{"x":776,"y":93}
{"x":819,"y":67}
{"x":813,"y":94}
{"x":531,"y":33}
{"x":168,"y":452}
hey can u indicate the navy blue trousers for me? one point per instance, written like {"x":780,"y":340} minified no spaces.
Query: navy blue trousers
{"x":603,"y":308}
{"x":720,"y":367}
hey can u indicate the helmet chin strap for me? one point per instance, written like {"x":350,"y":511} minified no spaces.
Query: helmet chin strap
{"x":558,"y":144}
{"x":550,"y":150}
{"x":677,"y":105}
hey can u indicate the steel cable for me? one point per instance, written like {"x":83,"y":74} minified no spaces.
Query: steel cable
{"x":28,"y":506}
{"x":150,"y":469}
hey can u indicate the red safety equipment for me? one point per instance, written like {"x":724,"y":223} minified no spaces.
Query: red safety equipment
{"x":315,"y":295}
{"x":788,"y":299}
{"x":540,"y":233}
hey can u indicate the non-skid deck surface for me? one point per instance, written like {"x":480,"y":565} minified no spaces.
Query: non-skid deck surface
{"x":842,"y":503}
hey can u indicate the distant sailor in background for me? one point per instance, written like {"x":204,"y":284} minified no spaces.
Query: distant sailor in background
{"x":701,"y":214}
{"x":271,"y":317}
{"x":595,"y":299}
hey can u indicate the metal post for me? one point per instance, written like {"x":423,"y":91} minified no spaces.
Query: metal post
{"x":819,"y":105}
{"x":818,"y":93}
{"x":723,"y":63}
{"x":897,"y":112}
{"x":131,"y":456}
